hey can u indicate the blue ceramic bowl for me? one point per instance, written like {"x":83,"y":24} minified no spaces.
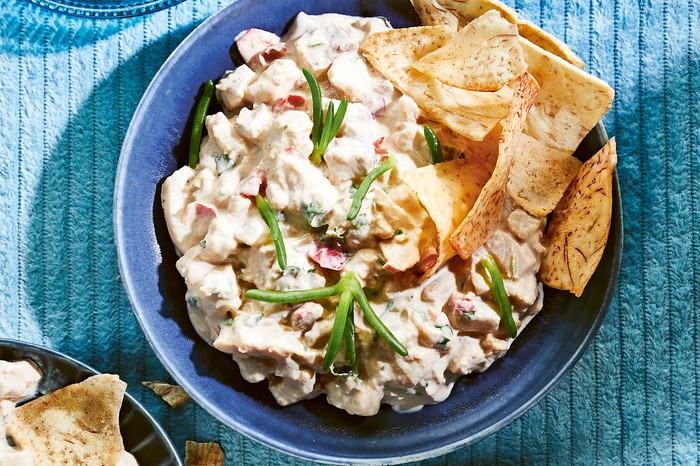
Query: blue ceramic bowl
{"x":143,"y":437}
{"x":156,"y":145}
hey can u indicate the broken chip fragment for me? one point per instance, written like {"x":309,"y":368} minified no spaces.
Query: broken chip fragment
{"x":174,"y":395}
{"x":203,"y":454}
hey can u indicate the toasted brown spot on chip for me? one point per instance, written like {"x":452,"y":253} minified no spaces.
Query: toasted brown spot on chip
{"x":431,"y":13}
{"x":472,"y":114}
{"x":437,"y":12}
{"x":174,"y":395}
{"x":203,"y":454}
{"x":571,"y":101}
{"x":482,"y":220}
{"x":78,"y":421}
{"x":539,"y":175}
{"x":484,"y":56}
{"x":579,"y":227}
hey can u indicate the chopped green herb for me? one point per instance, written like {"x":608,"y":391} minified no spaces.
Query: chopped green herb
{"x":317,"y":44}
{"x":203,"y":244}
{"x":398,"y":232}
{"x":193,"y":302}
{"x":380,"y":260}
{"x":200,"y":114}
{"x":226,"y":323}
{"x":462,"y":282}
{"x":371,"y":177}
{"x":253,"y":319}
{"x":291,"y":270}
{"x":313,"y":213}
{"x":284,"y":128}
{"x":361,"y":221}
{"x":223,"y":163}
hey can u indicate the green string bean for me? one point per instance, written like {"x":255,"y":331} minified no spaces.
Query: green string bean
{"x":505,"y":309}
{"x":275,"y":234}
{"x":362,"y":190}
{"x":198,"y":123}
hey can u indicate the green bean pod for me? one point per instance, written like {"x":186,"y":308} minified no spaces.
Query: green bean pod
{"x":275,"y":234}
{"x":317,"y":103}
{"x":375,"y":321}
{"x":349,"y":336}
{"x":341,"y":318}
{"x":292,"y":296}
{"x":362,"y":190}
{"x":198,"y":123}
{"x":433,"y":144}
{"x":505,"y":309}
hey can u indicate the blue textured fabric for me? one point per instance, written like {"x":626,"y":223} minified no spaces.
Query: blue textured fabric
{"x":69,"y":86}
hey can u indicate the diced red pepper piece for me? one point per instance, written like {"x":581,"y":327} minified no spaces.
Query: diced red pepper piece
{"x":253,"y":185}
{"x":254,"y":41}
{"x":327,"y":256}
{"x":273,"y":52}
{"x":378,"y":148}
{"x":304,"y":316}
{"x":291,"y":102}
{"x":197,"y":211}
{"x":462,"y":306}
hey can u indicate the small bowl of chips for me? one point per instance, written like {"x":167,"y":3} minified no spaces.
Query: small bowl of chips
{"x":77,"y":412}
{"x":544,"y":127}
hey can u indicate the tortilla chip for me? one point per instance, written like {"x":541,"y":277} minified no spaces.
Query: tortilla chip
{"x":469,"y":113}
{"x":447,"y":190}
{"x":431,"y":13}
{"x":484,"y":56}
{"x":174,"y":395}
{"x":465,"y":11}
{"x":570,"y":104}
{"x":578,"y":230}
{"x":482,"y":220}
{"x":203,"y":454}
{"x":78,"y":421}
{"x":539,"y":175}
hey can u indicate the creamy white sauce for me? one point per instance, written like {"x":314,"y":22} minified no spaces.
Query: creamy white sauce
{"x":19,"y":381}
{"x":448,"y":323}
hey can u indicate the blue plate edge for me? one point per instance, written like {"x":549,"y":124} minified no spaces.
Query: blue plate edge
{"x":139,"y":407}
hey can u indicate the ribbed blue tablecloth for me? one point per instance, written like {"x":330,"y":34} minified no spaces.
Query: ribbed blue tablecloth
{"x":69,"y":86}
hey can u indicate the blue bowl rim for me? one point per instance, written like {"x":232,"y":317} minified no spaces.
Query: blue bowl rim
{"x":127,"y":279}
{"x":138,"y":406}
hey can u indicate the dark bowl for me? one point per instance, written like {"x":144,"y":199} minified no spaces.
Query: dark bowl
{"x":156,"y":145}
{"x":143,"y":437}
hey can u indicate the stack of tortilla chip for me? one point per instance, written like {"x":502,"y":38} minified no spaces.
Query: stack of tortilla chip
{"x":522,"y":103}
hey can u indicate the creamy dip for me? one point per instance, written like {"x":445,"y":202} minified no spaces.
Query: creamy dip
{"x":259,"y":143}
{"x":18,"y":381}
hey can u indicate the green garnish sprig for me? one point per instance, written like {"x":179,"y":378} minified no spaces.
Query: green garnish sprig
{"x":505,"y":309}
{"x":200,"y":114}
{"x":322,"y":132}
{"x":275,"y":234}
{"x":349,"y":289}
{"x":433,"y":144}
{"x":362,"y":190}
